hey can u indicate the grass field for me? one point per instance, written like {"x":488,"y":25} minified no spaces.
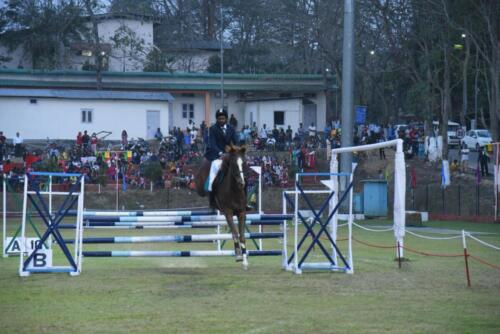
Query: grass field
{"x":214,"y":295}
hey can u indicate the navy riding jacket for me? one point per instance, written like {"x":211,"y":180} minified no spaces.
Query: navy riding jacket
{"x":218,"y":141}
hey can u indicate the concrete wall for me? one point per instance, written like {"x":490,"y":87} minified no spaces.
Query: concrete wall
{"x":61,"y":118}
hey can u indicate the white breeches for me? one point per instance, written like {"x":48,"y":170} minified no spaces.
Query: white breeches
{"x":214,"y":169}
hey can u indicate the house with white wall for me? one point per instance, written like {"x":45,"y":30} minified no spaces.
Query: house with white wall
{"x":62,"y":113}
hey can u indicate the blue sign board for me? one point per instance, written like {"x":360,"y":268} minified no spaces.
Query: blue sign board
{"x":360,"y":114}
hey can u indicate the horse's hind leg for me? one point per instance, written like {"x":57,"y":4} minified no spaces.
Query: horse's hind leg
{"x":234,"y":232}
{"x":241,"y":228}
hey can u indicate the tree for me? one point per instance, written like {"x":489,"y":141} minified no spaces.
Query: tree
{"x":157,"y":61}
{"x":42,"y":28}
{"x":91,"y":6}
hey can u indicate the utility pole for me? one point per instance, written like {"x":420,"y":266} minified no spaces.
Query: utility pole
{"x":347,"y":85}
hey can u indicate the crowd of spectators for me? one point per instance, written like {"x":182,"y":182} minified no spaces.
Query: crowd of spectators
{"x":177,"y":155}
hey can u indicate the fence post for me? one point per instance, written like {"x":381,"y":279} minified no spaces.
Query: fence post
{"x":399,"y":255}
{"x":459,"y":197}
{"x":466,"y":256}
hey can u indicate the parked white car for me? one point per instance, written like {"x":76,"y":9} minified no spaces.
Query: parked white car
{"x":477,"y":138}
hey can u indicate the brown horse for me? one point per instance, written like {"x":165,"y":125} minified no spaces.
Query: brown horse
{"x":229,"y":194}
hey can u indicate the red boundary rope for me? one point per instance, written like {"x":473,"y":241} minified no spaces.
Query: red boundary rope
{"x":478,"y":259}
{"x":431,"y":254}
{"x":373,"y":245}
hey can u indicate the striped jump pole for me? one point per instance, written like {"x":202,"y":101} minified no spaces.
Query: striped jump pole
{"x":149,"y":213}
{"x":202,"y":224}
{"x":176,"y":238}
{"x":176,"y":253}
{"x":201,"y":218}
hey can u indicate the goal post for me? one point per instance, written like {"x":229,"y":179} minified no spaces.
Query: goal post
{"x":399,"y":213}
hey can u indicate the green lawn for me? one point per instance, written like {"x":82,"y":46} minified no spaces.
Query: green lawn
{"x":214,"y":295}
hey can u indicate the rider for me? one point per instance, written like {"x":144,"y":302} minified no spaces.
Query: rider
{"x":220,"y":135}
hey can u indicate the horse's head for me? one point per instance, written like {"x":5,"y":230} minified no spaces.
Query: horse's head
{"x":233,"y":163}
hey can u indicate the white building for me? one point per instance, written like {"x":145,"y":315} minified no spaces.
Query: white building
{"x":61,"y":113}
{"x":279,"y":100}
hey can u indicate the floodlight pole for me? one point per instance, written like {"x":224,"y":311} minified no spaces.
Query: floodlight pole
{"x":347,"y":86}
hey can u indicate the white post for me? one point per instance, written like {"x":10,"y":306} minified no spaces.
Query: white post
{"x":350,"y":221}
{"x":4,"y":216}
{"x":23,"y":229}
{"x":284,"y":255}
{"x":79,"y":229}
{"x":260,"y":207}
{"x":260,"y":193}
{"x":50,"y":196}
{"x":258,"y":170}
{"x":334,"y":168}
{"x":49,"y":239}
{"x":219,"y":248}
{"x":296,"y":222}
{"x":399,"y":198}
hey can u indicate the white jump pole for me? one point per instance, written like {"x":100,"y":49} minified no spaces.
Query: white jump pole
{"x":285,"y":240}
{"x":49,"y":240}
{"x":4,"y":216}
{"x":22,"y":273}
{"x":258,"y":170}
{"x":79,"y":228}
{"x":50,"y":195}
{"x":334,"y":168}
{"x":296,"y":223}
{"x":350,"y":221}
{"x":260,"y":205}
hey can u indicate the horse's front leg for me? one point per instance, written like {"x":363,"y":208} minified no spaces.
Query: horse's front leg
{"x":234,"y":232}
{"x":241,"y":227}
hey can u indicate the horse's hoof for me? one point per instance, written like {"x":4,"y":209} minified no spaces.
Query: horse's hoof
{"x":245,"y":264}
{"x":239,"y":258}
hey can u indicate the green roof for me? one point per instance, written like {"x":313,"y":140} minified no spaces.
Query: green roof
{"x":164,"y":81}
{"x":167,"y":75}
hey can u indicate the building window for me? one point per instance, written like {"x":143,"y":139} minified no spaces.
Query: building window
{"x":86,"y":53}
{"x":279,"y":118}
{"x":188,"y":110}
{"x":87,"y":116}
